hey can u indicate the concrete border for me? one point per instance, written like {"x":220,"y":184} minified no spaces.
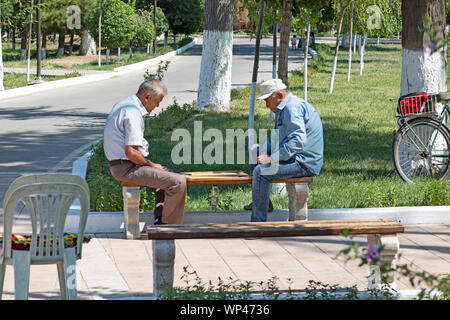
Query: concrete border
{"x":105,"y":222}
{"x":19,"y":92}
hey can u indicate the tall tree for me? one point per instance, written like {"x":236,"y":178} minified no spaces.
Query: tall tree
{"x":423,"y":69}
{"x":184,"y":16}
{"x":251,"y":114}
{"x":350,"y":39}
{"x":342,"y":7}
{"x":118,"y":24}
{"x":215,"y":71}
{"x":1,"y":52}
{"x":284,"y":40}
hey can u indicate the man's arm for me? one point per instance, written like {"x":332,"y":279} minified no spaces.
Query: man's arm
{"x":135,"y":156}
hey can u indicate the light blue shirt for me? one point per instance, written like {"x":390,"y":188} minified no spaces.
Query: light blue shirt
{"x":125,"y":127}
{"x":300,"y":134}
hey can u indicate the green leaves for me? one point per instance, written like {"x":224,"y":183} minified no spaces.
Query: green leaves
{"x":119,"y":23}
{"x":184,"y":16}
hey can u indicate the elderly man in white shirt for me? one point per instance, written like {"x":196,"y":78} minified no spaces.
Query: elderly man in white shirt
{"x":126,"y":150}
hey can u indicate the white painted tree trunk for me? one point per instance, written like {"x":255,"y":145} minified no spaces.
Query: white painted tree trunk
{"x":88,"y":47}
{"x":333,"y":74}
{"x":118,"y":54}
{"x":215,"y":71}
{"x":423,"y":71}
{"x":361,"y":56}
{"x":350,"y":39}
{"x":305,"y":66}
{"x":107,"y":56}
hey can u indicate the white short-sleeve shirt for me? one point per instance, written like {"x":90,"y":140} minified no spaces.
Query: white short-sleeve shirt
{"x":125,"y":127}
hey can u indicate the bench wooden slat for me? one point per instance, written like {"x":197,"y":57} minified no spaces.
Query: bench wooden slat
{"x":272,"y":229}
{"x":223,"y":177}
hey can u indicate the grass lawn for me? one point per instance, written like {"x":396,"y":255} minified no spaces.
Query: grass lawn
{"x":16,"y":80}
{"x":358,"y":121}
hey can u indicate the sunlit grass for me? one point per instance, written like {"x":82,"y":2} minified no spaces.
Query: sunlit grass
{"x":358,"y":120}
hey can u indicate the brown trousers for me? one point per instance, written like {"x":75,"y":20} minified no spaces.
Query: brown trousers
{"x":173,"y":184}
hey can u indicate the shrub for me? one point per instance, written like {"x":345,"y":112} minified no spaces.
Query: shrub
{"x":145,"y":30}
{"x":119,"y":23}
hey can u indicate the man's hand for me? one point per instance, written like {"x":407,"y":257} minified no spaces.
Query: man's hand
{"x":157,"y":165}
{"x":264,"y":159}
{"x":135,"y":156}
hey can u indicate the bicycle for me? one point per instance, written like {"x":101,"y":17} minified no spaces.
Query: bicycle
{"x":421,"y":146}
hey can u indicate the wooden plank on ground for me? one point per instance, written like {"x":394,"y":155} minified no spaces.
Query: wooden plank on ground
{"x":273,"y":229}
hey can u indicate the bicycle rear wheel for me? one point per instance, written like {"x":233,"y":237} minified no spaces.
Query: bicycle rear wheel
{"x":421,"y":151}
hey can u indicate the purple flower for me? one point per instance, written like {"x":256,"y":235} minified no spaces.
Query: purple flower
{"x":430,"y":45}
{"x":371,"y":254}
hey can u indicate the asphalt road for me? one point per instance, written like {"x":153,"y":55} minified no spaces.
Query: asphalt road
{"x":46,"y":131}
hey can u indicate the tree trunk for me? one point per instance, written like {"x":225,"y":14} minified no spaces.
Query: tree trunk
{"x":215,"y":71}
{"x":44,"y":46}
{"x":154,"y":25}
{"x":23,"y":42}
{"x":350,"y":39}
{"x":107,"y":56}
{"x":274,"y":57}
{"x":362,"y":51}
{"x":71,"y":44}
{"x":305,"y":64}
{"x":88,"y":47}
{"x":1,"y":53}
{"x":38,"y":41}
{"x":118,"y":55}
{"x":251,"y":113}
{"x":100,"y":34}
{"x":284,"y":41}
{"x":14,"y":39}
{"x":336,"y":51}
{"x":61,"y":40}
{"x":422,"y":70}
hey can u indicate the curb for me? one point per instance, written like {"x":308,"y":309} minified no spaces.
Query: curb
{"x":19,"y":92}
{"x":109,"y":222}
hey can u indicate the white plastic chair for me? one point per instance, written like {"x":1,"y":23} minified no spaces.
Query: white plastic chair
{"x":47,"y":198}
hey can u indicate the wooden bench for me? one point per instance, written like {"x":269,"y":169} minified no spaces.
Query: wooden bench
{"x":379,"y":232}
{"x":297,"y":188}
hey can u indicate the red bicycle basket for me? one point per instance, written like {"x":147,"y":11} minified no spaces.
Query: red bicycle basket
{"x":413,"y":103}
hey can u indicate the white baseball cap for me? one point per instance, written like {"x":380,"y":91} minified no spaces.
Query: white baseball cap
{"x":270,"y":86}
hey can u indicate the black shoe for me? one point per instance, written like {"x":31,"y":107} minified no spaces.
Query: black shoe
{"x":249,"y":206}
{"x":158,"y":221}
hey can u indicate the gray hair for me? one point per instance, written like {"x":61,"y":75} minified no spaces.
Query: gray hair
{"x":152,"y":86}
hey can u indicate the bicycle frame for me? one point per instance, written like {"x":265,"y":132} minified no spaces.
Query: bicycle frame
{"x":445,"y":112}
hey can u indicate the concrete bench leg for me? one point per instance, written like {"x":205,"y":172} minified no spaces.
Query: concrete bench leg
{"x":131,"y":200}
{"x":163,"y":262}
{"x":298,"y":197}
{"x":388,"y":258}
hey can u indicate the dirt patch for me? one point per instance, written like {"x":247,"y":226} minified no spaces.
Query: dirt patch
{"x":69,"y":62}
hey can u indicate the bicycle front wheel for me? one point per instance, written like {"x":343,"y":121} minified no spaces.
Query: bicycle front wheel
{"x":421,"y":150}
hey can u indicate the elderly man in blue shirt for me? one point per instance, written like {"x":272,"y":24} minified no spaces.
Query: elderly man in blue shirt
{"x":295,"y":150}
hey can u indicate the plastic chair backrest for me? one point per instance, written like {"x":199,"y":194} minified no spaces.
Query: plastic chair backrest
{"x":48,"y":204}
{"x":44,"y":178}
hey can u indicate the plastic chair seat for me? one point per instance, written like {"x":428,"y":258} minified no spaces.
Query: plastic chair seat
{"x":23,"y":241}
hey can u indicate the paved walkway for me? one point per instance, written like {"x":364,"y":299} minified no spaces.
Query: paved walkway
{"x":115,"y":268}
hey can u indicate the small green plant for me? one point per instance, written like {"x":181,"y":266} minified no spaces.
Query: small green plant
{"x":160,"y":72}
{"x":438,"y":286}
